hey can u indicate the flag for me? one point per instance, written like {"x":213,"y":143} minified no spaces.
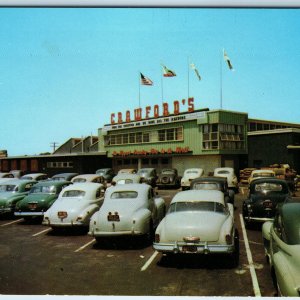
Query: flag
{"x":192,"y":65}
{"x":145,"y":80}
{"x":167,"y":72}
{"x":227,"y":59}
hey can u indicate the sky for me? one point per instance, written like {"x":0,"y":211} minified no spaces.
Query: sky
{"x":64,"y":71}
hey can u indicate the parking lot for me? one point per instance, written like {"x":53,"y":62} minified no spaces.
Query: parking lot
{"x":36,"y":261}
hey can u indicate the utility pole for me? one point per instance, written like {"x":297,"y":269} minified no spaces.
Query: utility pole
{"x":53,"y":145}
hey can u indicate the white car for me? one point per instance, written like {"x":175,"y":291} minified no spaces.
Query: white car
{"x":35,"y":176}
{"x":198,"y":221}
{"x":189,"y":175}
{"x":255,"y":174}
{"x":75,"y":205}
{"x":88,"y":178}
{"x":230,"y":175}
{"x":128,"y":210}
{"x":125,"y":178}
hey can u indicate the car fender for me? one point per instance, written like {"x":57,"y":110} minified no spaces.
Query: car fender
{"x":142,"y":217}
{"x":160,"y":207}
{"x":266,"y":235}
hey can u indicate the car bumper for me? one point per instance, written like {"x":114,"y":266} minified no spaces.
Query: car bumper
{"x":114,"y":233}
{"x":64,"y":224}
{"x":4,"y":210}
{"x":193,"y":248}
{"x":28,"y":213}
{"x":258,"y":219}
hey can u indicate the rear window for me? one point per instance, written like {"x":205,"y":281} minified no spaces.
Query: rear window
{"x":205,"y":186}
{"x":125,"y":181}
{"x":197,"y":206}
{"x":8,"y":188}
{"x":263,"y":175}
{"x":79,"y":180}
{"x":268,"y":187}
{"x":43,"y":189}
{"x":124,"y":195}
{"x":223,"y":172}
{"x":74,"y":193}
{"x":192,"y":172}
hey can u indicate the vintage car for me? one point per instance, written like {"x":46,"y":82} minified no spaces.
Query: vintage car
{"x":63,"y":176}
{"x":168,"y":178}
{"x":74,"y":206}
{"x":148,"y":175}
{"x":35,"y":176}
{"x":125,"y":178}
{"x":6,"y":175}
{"x":198,"y":221}
{"x":128,"y":210}
{"x":255,"y":174}
{"x":214,"y":183}
{"x":95,"y":178}
{"x":281,"y":239}
{"x":107,"y":173}
{"x":189,"y":175}
{"x":130,"y":171}
{"x":263,"y":198}
{"x":230,"y":175}
{"x":41,"y":196}
{"x":12,"y":191}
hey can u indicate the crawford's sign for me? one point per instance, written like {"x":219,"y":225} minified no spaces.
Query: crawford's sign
{"x":152,"y":112}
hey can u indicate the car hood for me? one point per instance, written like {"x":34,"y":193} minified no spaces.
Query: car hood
{"x":205,"y":225}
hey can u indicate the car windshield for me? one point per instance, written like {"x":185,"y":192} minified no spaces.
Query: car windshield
{"x":143,"y":172}
{"x":197,"y":206}
{"x":124,"y":195}
{"x":263,"y":175}
{"x":125,"y":181}
{"x":43,"y":189}
{"x":79,"y":180}
{"x":168,"y":171}
{"x":8,"y":188}
{"x":268,"y":187}
{"x":73,"y":193}
{"x":205,"y":186}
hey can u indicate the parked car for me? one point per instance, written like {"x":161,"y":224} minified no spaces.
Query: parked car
{"x":230,"y":175}
{"x":35,"y":176}
{"x":263,"y":198}
{"x":125,"y":178}
{"x":95,"y":178}
{"x":6,"y":175}
{"x":168,"y":178}
{"x":148,"y":175}
{"x":189,"y":175}
{"x":130,"y":171}
{"x":107,"y":173}
{"x":281,"y":239}
{"x":198,"y":221}
{"x":12,"y":191}
{"x":128,"y":210}
{"x":63,"y":176}
{"x":16,"y":173}
{"x":74,"y":206}
{"x":214,"y":183}
{"x":261,"y":174}
{"x":40,"y":198}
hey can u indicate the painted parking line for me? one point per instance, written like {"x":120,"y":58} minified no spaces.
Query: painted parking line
{"x":86,"y":245}
{"x":16,"y":221}
{"x":149,"y":261}
{"x":41,"y":232}
{"x":250,"y":261}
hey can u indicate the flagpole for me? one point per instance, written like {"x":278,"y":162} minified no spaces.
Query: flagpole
{"x":221,"y":83}
{"x":188,"y":62}
{"x":139,"y":90}
{"x":162,"y":88}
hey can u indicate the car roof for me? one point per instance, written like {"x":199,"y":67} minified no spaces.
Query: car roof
{"x":52,"y":182}
{"x":84,"y":186}
{"x":127,"y":176}
{"x":199,"y":195}
{"x":291,"y":219}
{"x":64,"y":174}
{"x":86,"y":176}
{"x":223,"y":168}
{"x":139,"y":187}
{"x":17,"y":181}
{"x":210,"y":179}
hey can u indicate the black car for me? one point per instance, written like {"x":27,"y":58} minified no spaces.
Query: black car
{"x":213,"y":183}
{"x":148,"y":175}
{"x":168,"y":178}
{"x":264,"y":196}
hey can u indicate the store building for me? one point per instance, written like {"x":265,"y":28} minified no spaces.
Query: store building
{"x":195,"y":138}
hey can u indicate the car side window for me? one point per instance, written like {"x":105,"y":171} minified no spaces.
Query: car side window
{"x":28,"y":186}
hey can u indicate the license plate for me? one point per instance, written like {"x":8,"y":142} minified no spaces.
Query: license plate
{"x":32,"y":205}
{"x":112,"y":217}
{"x":189,"y":248}
{"x":62,"y":214}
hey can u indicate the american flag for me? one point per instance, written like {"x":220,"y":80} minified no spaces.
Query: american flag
{"x":145,"y":80}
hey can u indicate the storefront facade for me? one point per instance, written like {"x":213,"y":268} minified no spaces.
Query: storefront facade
{"x":181,"y":140}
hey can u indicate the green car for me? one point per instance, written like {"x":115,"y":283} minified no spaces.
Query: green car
{"x":40,"y":198}
{"x":281,"y":239}
{"x":13,"y":191}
